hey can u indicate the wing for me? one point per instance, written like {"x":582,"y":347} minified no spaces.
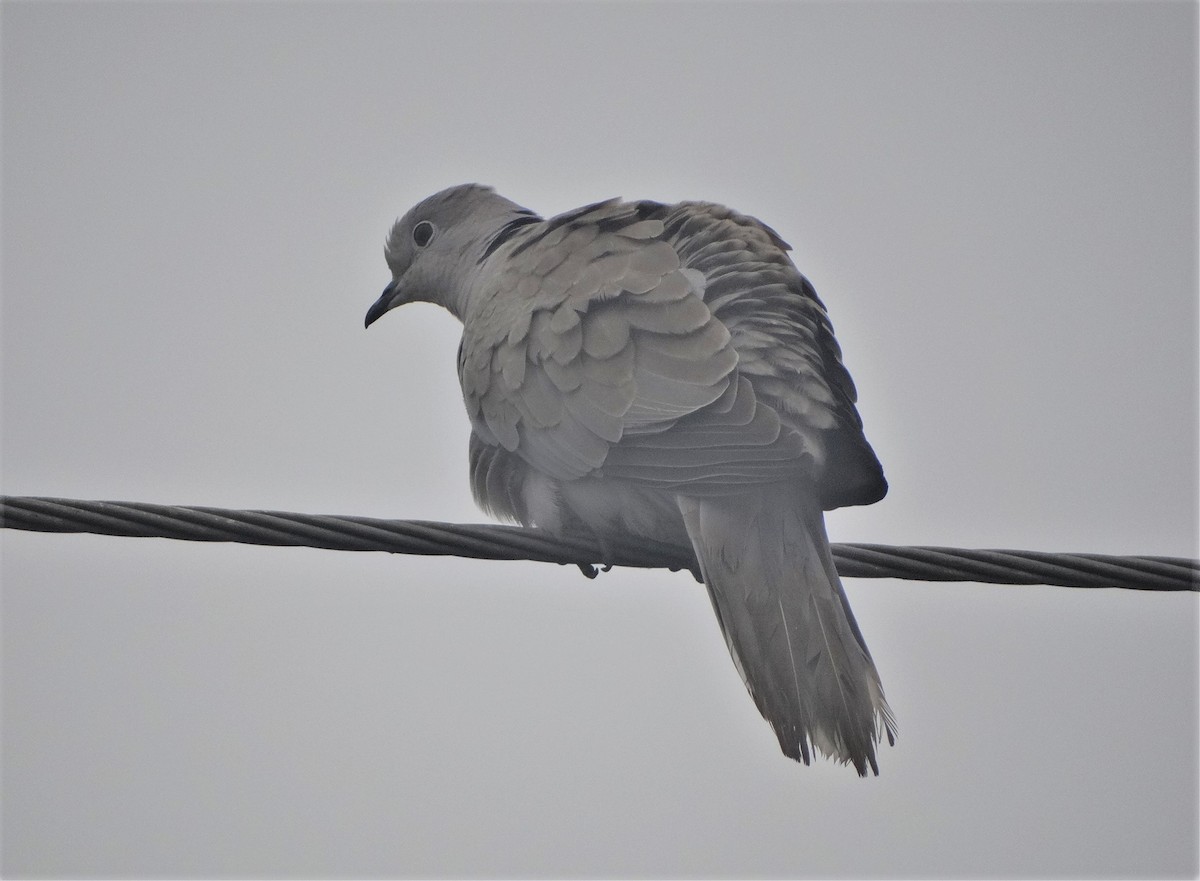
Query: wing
{"x":629,"y":340}
{"x":784,"y":340}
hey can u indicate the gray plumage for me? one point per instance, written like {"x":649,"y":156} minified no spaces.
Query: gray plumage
{"x":665,"y":372}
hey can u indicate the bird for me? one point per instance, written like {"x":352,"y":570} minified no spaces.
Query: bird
{"x":663,"y":373}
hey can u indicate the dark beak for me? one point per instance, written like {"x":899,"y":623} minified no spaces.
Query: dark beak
{"x":387,"y":300}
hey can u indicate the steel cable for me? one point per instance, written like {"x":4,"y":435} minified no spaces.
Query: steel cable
{"x":489,"y":542}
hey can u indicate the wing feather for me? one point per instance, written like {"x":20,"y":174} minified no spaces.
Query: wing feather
{"x":672,"y":345}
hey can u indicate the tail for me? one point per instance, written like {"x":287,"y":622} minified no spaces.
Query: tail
{"x":766,"y":560}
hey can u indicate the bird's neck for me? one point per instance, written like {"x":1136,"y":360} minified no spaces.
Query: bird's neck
{"x":471,"y":268}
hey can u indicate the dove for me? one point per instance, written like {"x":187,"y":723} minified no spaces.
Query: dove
{"x":663,"y":373}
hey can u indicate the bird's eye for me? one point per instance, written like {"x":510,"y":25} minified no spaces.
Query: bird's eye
{"x":423,"y":233}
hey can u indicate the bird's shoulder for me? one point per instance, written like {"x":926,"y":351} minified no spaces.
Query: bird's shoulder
{"x":585,"y":329}
{"x":608,"y":249}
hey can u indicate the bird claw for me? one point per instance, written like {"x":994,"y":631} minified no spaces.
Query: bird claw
{"x":590,"y":571}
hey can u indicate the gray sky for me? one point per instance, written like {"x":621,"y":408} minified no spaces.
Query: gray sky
{"x":996,"y":202}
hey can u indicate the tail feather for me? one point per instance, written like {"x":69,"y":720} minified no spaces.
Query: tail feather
{"x":766,"y":561}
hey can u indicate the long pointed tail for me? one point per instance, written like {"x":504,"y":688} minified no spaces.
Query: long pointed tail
{"x":766,"y":560}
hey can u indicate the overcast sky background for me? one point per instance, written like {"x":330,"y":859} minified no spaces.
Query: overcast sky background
{"x":996,"y":202}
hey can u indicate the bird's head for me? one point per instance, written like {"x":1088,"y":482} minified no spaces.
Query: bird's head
{"x":435,"y":249}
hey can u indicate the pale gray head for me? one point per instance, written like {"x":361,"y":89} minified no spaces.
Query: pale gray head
{"x":434,"y":248}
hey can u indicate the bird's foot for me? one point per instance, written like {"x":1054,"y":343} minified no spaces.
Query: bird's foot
{"x":590,"y":571}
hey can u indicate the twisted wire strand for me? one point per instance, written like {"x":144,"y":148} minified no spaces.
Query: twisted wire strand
{"x":489,"y":542}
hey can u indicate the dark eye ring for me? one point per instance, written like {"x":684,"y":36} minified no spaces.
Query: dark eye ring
{"x":422,"y":233}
